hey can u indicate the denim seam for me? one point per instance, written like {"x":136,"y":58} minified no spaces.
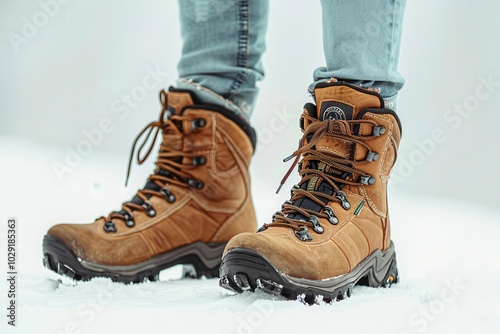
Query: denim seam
{"x":395,"y":11}
{"x":243,"y":47}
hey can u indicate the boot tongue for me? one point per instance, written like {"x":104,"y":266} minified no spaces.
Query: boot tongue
{"x":343,"y":101}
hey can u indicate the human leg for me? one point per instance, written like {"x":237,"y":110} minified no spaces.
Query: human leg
{"x":223,"y":43}
{"x":361,"y":41}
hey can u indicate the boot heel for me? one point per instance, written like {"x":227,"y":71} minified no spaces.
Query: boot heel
{"x":383,"y":270}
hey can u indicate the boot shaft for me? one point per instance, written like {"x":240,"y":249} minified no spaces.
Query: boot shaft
{"x":218,"y":146}
{"x":359,"y":114}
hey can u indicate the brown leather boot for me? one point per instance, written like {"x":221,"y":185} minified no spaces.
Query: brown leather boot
{"x":334,"y":232}
{"x":196,"y":200}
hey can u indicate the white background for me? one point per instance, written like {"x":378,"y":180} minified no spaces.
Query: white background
{"x":66,"y":77}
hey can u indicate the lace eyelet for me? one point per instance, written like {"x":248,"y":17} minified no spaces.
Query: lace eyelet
{"x":343,"y":200}
{"x":371,"y":156}
{"x":303,"y":234}
{"x":168,"y":195}
{"x":316,"y":225}
{"x":129,"y":219}
{"x":331,"y":215}
{"x":109,"y":227}
{"x":199,"y":161}
{"x":367,"y":180}
{"x":378,"y":131}
{"x":195,"y":183}
{"x":148,"y":207}
{"x":198,"y":123}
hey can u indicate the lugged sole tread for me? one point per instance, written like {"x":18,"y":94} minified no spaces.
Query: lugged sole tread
{"x":200,"y":260}
{"x":245,"y":270}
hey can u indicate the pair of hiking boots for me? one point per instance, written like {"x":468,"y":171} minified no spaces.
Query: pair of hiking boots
{"x":196,"y":208}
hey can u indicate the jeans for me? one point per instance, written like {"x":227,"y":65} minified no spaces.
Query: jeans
{"x":223,"y":43}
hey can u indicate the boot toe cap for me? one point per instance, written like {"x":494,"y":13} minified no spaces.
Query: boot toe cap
{"x":74,"y":236}
{"x":287,"y":254}
{"x":279,"y":250}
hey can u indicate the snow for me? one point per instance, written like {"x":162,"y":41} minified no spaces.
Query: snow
{"x":447,"y":254}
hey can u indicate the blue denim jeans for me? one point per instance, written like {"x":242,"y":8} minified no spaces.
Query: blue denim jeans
{"x":361,"y":42}
{"x":223,"y":43}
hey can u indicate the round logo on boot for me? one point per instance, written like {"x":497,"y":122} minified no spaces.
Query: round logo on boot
{"x":334,"y":112}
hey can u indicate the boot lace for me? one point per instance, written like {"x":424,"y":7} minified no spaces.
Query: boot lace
{"x":172,"y":166}
{"x":336,"y":172}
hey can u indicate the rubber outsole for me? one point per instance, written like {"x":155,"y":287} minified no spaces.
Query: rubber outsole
{"x":198,"y":259}
{"x":246,"y":270}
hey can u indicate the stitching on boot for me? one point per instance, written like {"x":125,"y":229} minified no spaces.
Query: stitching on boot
{"x":371,"y":203}
{"x":234,"y":149}
{"x":239,"y":158}
{"x":389,"y":135}
{"x":364,"y":235}
{"x":345,"y":255}
{"x":228,"y":223}
{"x":342,"y":154}
{"x":152,"y":249}
{"x":234,"y":146}
{"x":213,"y":164}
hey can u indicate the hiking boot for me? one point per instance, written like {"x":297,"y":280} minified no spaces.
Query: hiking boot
{"x":334,"y":231}
{"x":196,"y":200}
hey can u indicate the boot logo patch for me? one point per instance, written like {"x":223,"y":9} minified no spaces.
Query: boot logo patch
{"x":332,"y":110}
{"x":334,"y":113}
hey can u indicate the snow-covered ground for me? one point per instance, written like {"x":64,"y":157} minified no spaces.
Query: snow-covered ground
{"x":447,"y":253}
